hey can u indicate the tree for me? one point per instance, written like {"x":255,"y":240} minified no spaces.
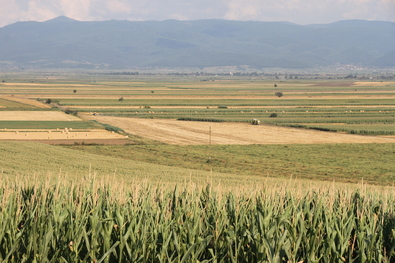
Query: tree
{"x":120,"y":99}
{"x":279,"y":94}
{"x":75,"y":91}
{"x":275,"y":85}
{"x":48,"y":101}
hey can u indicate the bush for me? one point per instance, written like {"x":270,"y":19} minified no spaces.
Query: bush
{"x":279,"y":94}
{"x":273,"y":115}
{"x":48,"y":101}
{"x":120,"y":99}
{"x":72,"y":112}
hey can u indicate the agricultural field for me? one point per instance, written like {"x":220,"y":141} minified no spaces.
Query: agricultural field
{"x":179,"y":174}
{"x":57,"y":207}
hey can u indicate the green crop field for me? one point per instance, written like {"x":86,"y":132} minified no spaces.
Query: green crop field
{"x":47,"y":125}
{"x":101,"y":222}
{"x":151,"y":202}
{"x":62,"y":205}
{"x":372,"y":163}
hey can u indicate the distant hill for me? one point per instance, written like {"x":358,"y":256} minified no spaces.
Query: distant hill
{"x":66,"y":43}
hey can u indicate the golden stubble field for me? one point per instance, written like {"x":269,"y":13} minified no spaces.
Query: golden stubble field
{"x":36,"y":116}
{"x":27,"y":101}
{"x":195,"y":133}
{"x":48,"y":134}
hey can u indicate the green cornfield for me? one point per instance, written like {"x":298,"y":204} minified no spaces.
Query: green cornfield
{"x":98,"y":222}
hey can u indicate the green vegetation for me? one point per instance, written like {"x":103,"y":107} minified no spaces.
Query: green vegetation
{"x":99,"y":222}
{"x":230,"y":102}
{"x":220,"y":203}
{"x":335,"y":105}
{"x":47,"y":125}
{"x":46,"y":161}
{"x":372,"y":163}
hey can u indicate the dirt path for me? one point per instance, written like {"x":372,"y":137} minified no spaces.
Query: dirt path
{"x":189,"y":133}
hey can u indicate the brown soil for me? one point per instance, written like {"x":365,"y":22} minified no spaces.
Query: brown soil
{"x":194,"y":133}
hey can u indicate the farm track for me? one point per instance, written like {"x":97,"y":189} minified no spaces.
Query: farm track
{"x":198,"y":133}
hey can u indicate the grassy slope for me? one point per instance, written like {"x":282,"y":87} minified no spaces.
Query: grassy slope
{"x":41,"y":160}
{"x":372,"y":163}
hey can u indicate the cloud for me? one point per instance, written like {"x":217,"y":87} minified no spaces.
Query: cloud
{"x":242,"y":11}
{"x":310,"y":11}
{"x":118,"y":6}
{"x":297,"y":11}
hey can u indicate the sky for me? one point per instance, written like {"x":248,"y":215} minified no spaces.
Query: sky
{"x":295,"y":11}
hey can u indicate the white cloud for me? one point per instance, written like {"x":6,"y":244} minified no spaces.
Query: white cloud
{"x":118,"y":6}
{"x":77,"y":9}
{"x":297,"y":11}
{"x":242,"y":11}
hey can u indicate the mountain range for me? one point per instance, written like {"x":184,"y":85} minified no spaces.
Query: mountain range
{"x":66,"y":43}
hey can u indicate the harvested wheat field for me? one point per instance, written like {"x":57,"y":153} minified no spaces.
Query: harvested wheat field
{"x":36,"y":116}
{"x":27,"y":101}
{"x":195,"y":133}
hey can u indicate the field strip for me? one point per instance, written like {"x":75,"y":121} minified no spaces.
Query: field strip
{"x":195,"y":133}
{"x":59,"y":135}
{"x":26,"y":101}
{"x":217,"y":97}
{"x":371,"y":83}
{"x":36,"y":116}
{"x":47,"y":84}
{"x":231,"y":107}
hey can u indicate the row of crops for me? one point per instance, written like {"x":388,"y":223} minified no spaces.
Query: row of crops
{"x":97,"y":223}
{"x":223,"y":101}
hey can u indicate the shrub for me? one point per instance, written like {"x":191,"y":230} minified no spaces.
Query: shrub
{"x":120,"y":99}
{"x":68,"y":111}
{"x":273,"y":115}
{"x":279,"y":94}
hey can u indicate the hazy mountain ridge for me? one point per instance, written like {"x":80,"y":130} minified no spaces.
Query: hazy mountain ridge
{"x":64,"y":42}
